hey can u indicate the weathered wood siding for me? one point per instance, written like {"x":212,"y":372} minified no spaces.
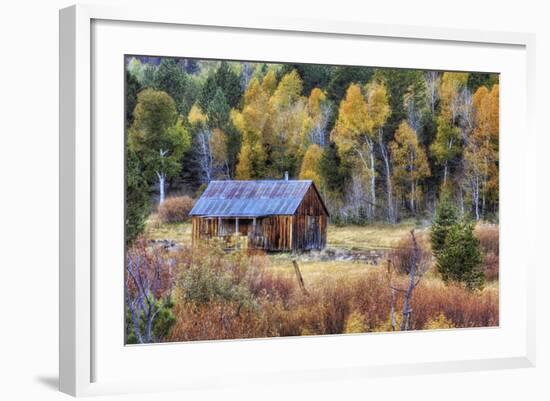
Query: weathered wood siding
{"x":305,"y":230}
{"x":273,"y":233}
{"x":310,"y":223}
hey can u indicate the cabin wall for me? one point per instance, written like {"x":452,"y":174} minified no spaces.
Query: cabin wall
{"x":310,"y":223}
{"x":273,"y":233}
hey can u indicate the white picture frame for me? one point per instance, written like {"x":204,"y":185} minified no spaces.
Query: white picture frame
{"x":80,"y":154}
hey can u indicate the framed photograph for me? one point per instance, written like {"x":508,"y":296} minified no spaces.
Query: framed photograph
{"x":283,"y":200}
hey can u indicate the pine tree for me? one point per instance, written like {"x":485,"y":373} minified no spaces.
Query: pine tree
{"x":332,"y":172}
{"x":218,"y":111}
{"x":207,"y":92}
{"x":137,"y":197}
{"x":229,"y":82}
{"x":446,"y":216}
{"x":461,"y":259}
{"x":170,"y":78}
{"x":132,"y":89}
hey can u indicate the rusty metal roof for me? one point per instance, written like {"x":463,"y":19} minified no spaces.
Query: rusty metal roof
{"x":251,"y":198}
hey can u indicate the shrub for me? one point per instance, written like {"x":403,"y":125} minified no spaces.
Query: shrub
{"x":215,"y":321}
{"x":355,"y":323}
{"x":464,"y":308}
{"x":221,"y":295}
{"x":439,"y":322}
{"x":446,"y":216}
{"x":402,"y":255}
{"x":175,"y":209}
{"x":489,"y":240}
{"x":148,"y":286}
{"x":273,"y":286}
{"x":461,"y":259}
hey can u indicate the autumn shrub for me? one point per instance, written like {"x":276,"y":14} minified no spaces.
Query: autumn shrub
{"x":462,"y":307}
{"x":149,"y":281}
{"x":439,"y":322}
{"x":488,"y":236}
{"x":371,"y":297}
{"x":175,"y":209}
{"x":220,"y":295}
{"x":215,"y":320}
{"x":402,"y":254}
{"x":355,"y":323}
{"x":273,"y":286}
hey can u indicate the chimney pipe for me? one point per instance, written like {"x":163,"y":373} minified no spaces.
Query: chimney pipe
{"x":286,"y":175}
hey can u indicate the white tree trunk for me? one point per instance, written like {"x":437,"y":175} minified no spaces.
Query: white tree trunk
{"x":412,"y":203}
{"x":372,"y":180}
{"x":162,"y":181}
{"x":476,"y":196}
{"x":389,"y":190}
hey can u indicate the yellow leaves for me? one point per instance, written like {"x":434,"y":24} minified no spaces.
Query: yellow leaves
{"x":272,"y":118}
{"x":316,"y":98}
{"x":310,"y":165}
{"x":378,"y":105}
{"x":486,"y":106}
{"x":196,"y":116}
{"x":288,"y":91}
{"x":244,"y":168}
{"x":360,"y":115}
{"x":237,"y":119}
{"x":269,"y":83}
{"x":218,"y":145}
{"x":353,"y":114}
{"x":251,"y":162}
{"x":450,"y":85}
{"x":408,"y":156}
{"x":481,"y":153}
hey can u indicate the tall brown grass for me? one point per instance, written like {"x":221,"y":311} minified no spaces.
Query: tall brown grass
{"x":240,"y":297}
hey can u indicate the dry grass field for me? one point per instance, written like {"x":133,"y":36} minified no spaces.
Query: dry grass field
{"x":220,"y":295}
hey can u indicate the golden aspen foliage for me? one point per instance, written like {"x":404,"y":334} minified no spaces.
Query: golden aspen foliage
{"x":253,"y":123}
{"x":481,"y":153}
{"x":269,"y":82}
{"x":353,"y":121}
{"x":377,"y":105}
{"x":410,"y":164}
{"x":314,"y":102}
{"x":310,"y":165}
{"x":196,"y":116}
{"x":218,"y":146}
{"x":244,"y":168}
{"x":289,"y":115}
{"x":449,"y":87}
{"x":288,"y":91}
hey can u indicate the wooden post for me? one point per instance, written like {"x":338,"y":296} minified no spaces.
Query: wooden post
{"x":236,"y":232}
{"x":299,"y":276}
{"x":253,"y":236}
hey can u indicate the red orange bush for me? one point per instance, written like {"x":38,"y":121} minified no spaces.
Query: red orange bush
{"x":175,"y":209}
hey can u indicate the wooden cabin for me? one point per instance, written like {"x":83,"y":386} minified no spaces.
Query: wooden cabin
{"x":273,"y":215}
